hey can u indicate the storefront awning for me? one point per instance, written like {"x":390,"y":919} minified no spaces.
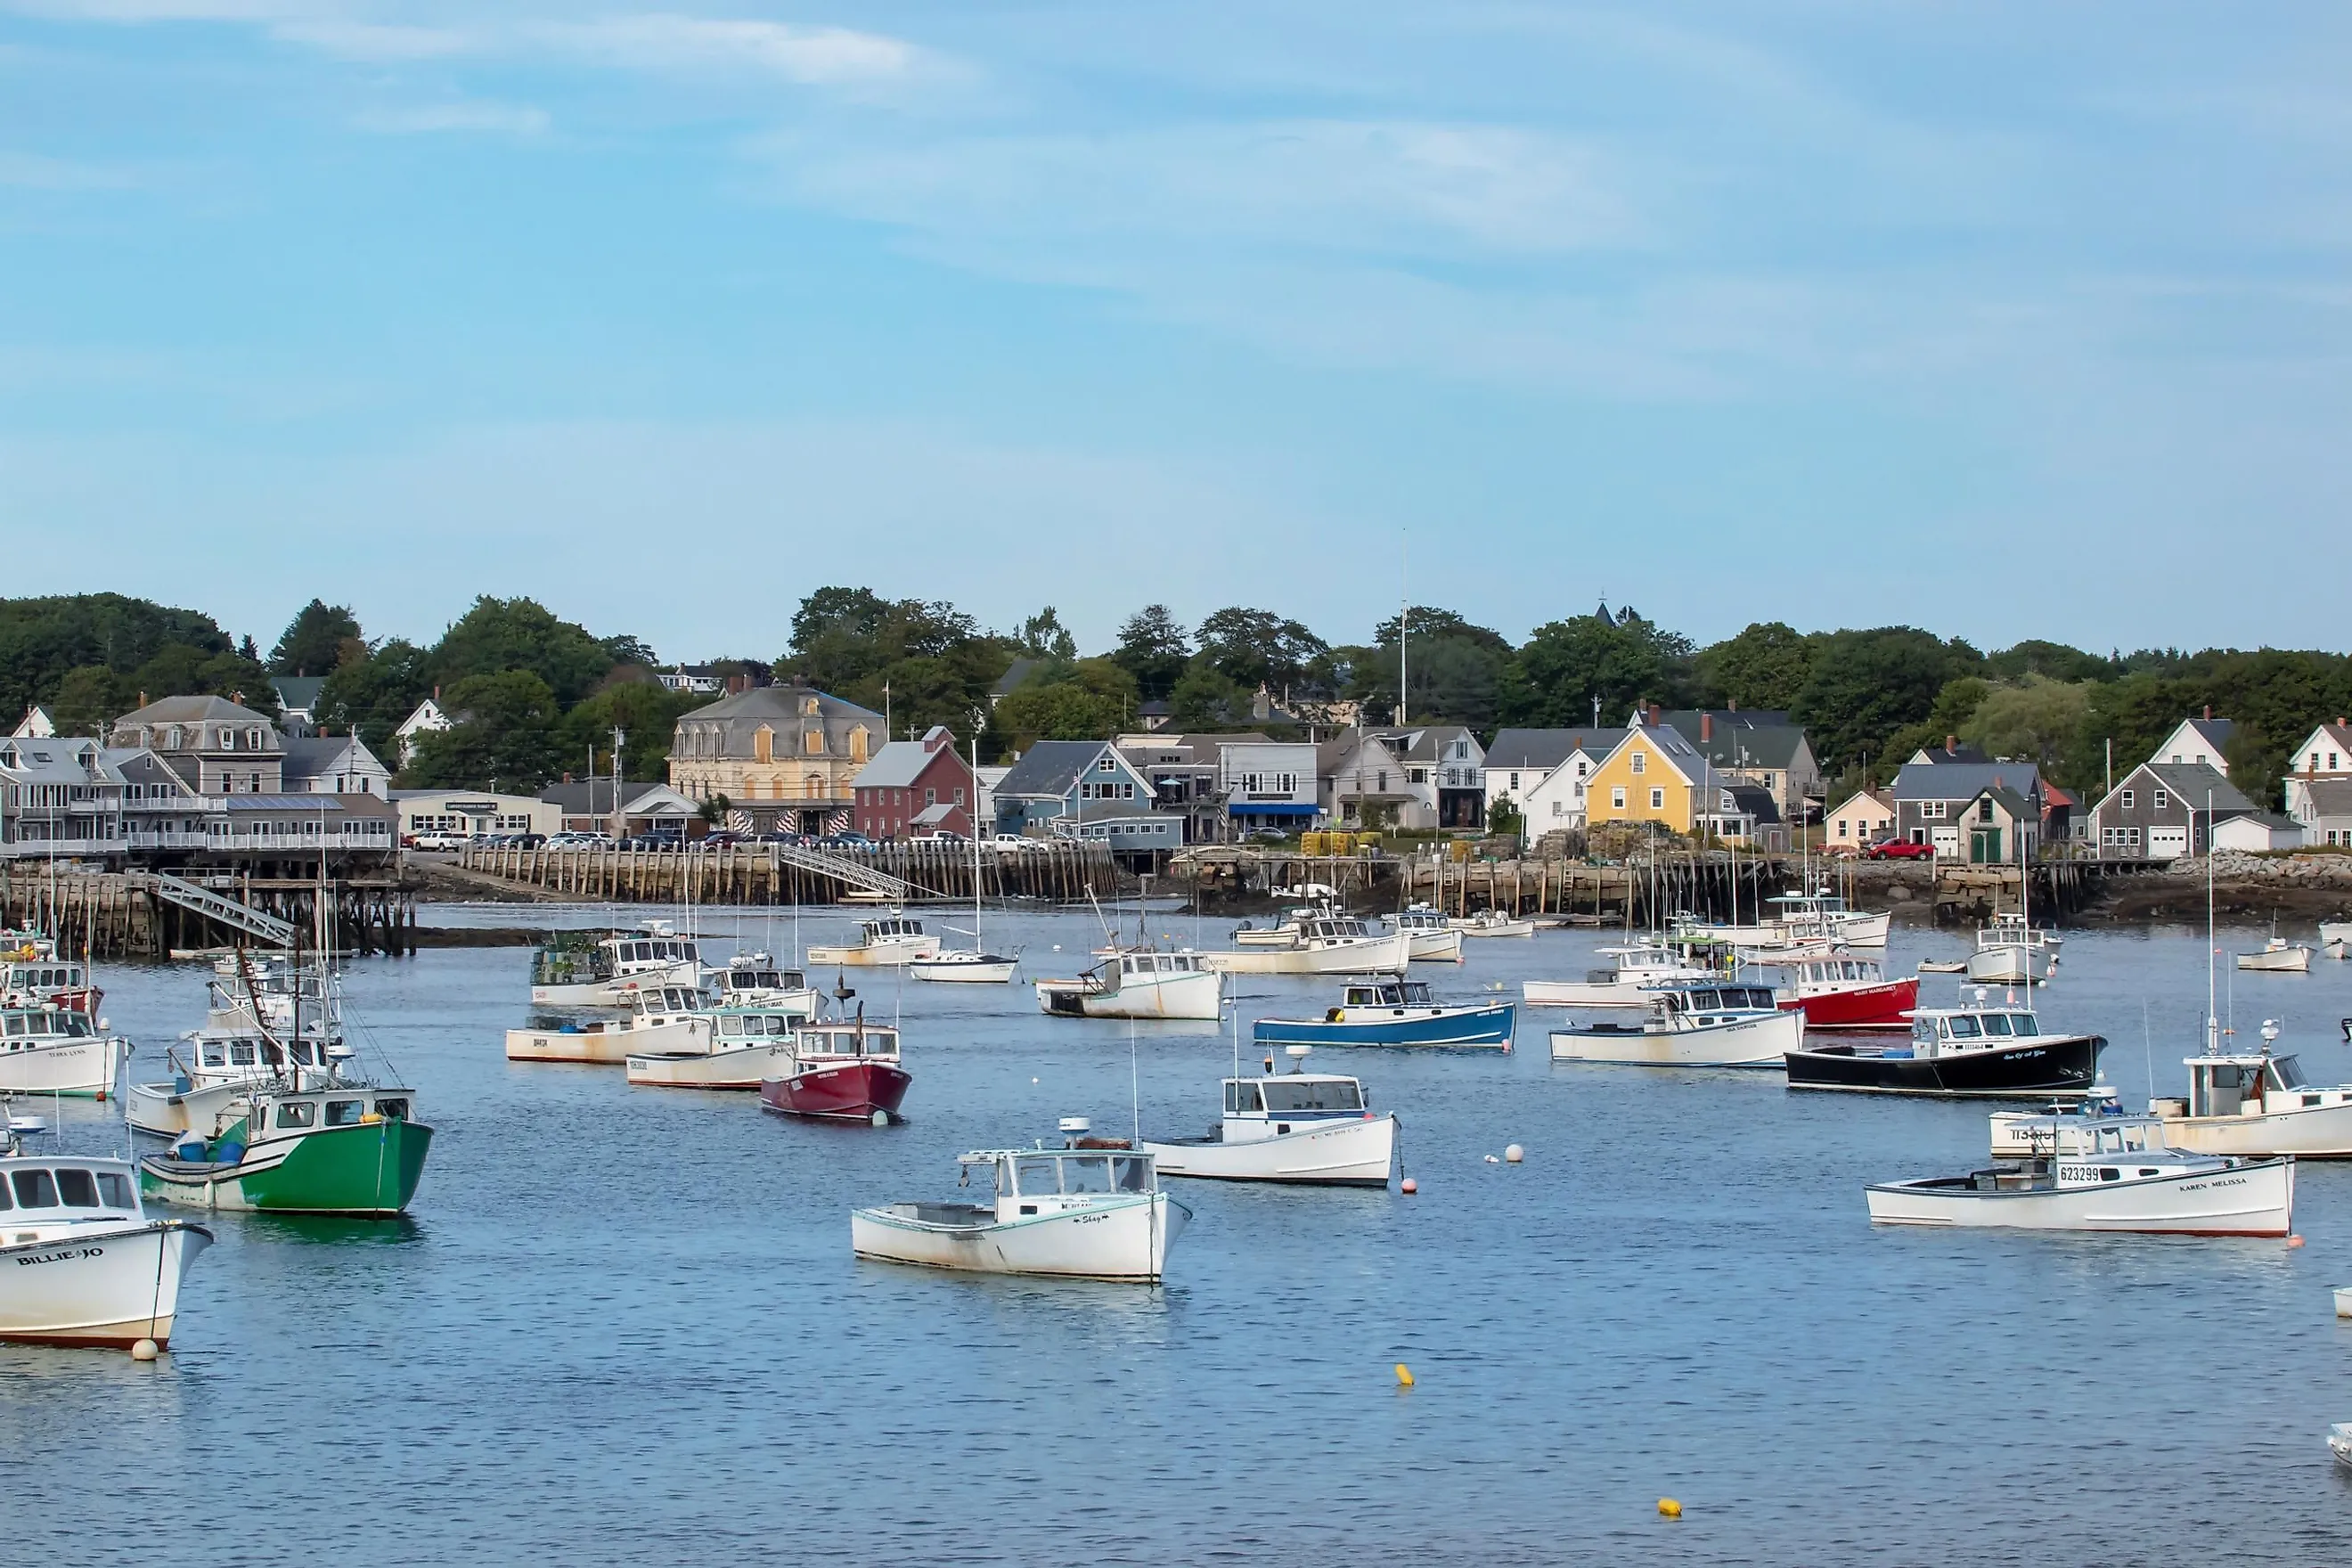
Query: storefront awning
{"x":1267,"y":808}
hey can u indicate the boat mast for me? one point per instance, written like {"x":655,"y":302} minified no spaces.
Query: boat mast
{"x":2212,"y":1023}
{"x":979,"y":948}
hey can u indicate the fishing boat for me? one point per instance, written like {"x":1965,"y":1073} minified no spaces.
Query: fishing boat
{"x":1980,"y":1051}
{"x":33,"y":976}
{"x":2011,"y":951}
{"x":591,"y":969}
{"x":1326,"y":944}
{"x":1092,"y":1209}
{"x":2258,"y":1104}
{"x":1433,"y":936}
{"x":884,"y":942}
{"x":838,"y":1070}
{"x":975,"y":966}
{"x":753,"y":980}
{"x":666,"y":1018}
{"x":350,"y":1149}
{"x":1632,"y":971}
{"x":1839,"y":990}
{"x":1309,"y":1129}
{"x":1804,"y":920}
{"x":1690,"y":1024}
{"x":1137,"y":983}
{"x":2340,"y":1436}
{"x":2278,"y":957}
{"x":80,"y":1263}
{"x":1285,"y":930}
{"x":1394,"y":1011}
{"x":739,"y":1050}
{"x":1494,"y":922}
{"x":213,"y":1066}
{"x":49,"y":1049}
{"x":2111,"y":1173}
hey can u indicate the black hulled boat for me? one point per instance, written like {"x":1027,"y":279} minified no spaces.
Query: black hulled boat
{"x":1982,"y":1052}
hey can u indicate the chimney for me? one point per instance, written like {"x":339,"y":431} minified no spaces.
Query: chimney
{"x":567,"y":778}
{"x":1653,"y":719}
{"x":2209,"y":711}
{"x":1951,"y":744}
{"x":1706,"y":728}
{"x":1734,"y":706}
{"x":436,"y":694}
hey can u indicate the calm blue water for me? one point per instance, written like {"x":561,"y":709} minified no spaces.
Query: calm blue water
{"x":624,"y":1326}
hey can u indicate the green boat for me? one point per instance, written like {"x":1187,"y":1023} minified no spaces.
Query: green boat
{"x":347,"y":1149}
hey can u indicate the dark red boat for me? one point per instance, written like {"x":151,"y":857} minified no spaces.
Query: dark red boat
{"x":1842,"y":992}
{"x":840,"y":1071}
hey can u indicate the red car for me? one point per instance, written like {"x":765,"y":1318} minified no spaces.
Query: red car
{"x":1899,"y":850}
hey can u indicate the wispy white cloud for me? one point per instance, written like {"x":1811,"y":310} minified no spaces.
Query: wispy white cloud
{"x":663,"y":41}
{"x":466,"y":115}
{"x":35,"y":172}
{"x":346,"y":38}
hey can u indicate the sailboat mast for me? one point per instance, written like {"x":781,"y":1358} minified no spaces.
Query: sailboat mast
{"x":2212,"y":1021}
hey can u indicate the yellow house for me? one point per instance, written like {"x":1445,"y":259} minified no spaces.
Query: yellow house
{"x":1652,"y":775}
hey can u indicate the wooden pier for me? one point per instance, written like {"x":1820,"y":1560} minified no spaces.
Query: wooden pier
{"x":919,"y":872}
{"x":127,"y":914}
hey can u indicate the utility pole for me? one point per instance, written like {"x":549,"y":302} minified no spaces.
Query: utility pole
{"x":620,"y":739}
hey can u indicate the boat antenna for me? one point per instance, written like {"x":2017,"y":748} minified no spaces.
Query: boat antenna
{"x":1134,"y":1082}
{"x":2212,"y":1020}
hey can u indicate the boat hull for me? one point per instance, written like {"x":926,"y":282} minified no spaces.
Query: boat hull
{"x":2054,"y":1068}
{"x":1883,"y":1006}
{"x":1375,"y":955}
{"x":1456,"y":1027}
{"x":1194,"y":995}
{"x":889,"y":953}
{"x":1338,"y":1153}
{"x":1604,"y":992}
{"x":838,"y":1091}
{"x":78,"y":1069}
{"x":2281,"y":960}
{"x":964,"y":972}
{"x":2256,"y":1199}
{"x":369,"y":1170}
{"x":2319,"y":1132}
{"x":2010,"y":965}
{"x":607,"y":1044}
{"x":101,"y":1288}
{"x":1495,"y":928}
{"x":1116,"y":1241}
{"x":1750,"y":1043}
{"x":1435,"y":946}
{"x":737,"y":1067}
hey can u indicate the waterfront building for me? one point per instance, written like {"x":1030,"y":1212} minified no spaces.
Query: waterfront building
{"x":1544,"y":772}
{"x":1654,"y":775}
{"x":787,"y":758}
{"x":1085,"y":789}
{"x":1416,"y":777}
{"x":585,"y":805}
{"x":475,"y":814}
{"x":1862,"y":820}
{"x":2159,"y":811}
{"x":1933,"y":800}
{"x":1758,"y":747}
{"x":1228,"y":785}
{"x":2201,"y":740}
{"x":216,"y":746}
{"x":2324,"y":758}
{"x":914,"y":787}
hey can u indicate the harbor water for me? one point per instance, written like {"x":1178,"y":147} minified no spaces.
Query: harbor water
{"x":624,"y":1326}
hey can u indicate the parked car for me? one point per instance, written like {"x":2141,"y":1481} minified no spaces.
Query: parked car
{"x":942,"y":836}
{"x":1899,"y":850}
{"x":724,"y":835}
{"x":1011,"y":843}
{"x":655,"y":838}
{"x":440,"y":840}
{"x":845,"y":841}
{"x":1266,"y":835}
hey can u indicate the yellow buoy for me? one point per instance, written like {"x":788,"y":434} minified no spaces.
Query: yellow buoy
{"x":1670,"y":1508}
{"x":1404,"y":1375}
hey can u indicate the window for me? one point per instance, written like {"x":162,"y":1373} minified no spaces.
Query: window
{"x":114,"y":1190}
{"x":1640,"y":761}
{"x":2158,"y":800}
{"x":1657,"y":800}
{"x":77,"y":1189}
{"x":343,"y":1112}
{"x":1579,"y":770}
{"x":1515,"y":780}
{"x":1617,"y":799}
{"x":1037,"y":1173}
{"x":2124,"y":799}
{"x":35,"y":1190}
{"x":297,"y":1114}
{"x":1984,"y":809}
{"x":1841,"y":828}
{"x":394,"y":1110}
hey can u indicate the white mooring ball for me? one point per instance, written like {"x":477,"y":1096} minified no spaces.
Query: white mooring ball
{"x":1514,"y":1154}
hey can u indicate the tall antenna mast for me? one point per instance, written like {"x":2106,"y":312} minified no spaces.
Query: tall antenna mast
{"x":1404,"y":610}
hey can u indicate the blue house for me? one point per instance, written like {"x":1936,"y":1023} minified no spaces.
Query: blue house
{"x":1085,"y":789}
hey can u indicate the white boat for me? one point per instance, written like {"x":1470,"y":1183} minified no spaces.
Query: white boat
{"x":80,"y":1263}
{"x":212,"y":1066}
{"x":2013,"y":952}
{"x":2340,"y":1436}
{"x":48,"y":1050}
{"x":2278,"y":957}
{"x":1326,"y":944}
{"x":1143,"y":984}
{"x":1633,"y":970}
{"x":668,"y":1018}
{"x":1283,"y":932}
{"x":1299,"y":1127}
{"x":1434,"y":939}
{"x":1076,"y":1212}
{"x":2113,"y":1173}
{"x":2344,"y":1300}
{"x":1710,"y":1024}
{"x":582,"y":969}
{"x":754,"y":980}
{"x":33,"y":974}
{"x":2258,"y":1104}
{"x":1494,"y":922}
{"x":740,"y":1048}
{"x":883,"y":942}
{"x":961,"y":968}
{"x":2336,"y":936}
{"x":1804,"y":920}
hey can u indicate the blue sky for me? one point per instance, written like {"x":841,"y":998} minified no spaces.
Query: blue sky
{"x":2004,"y":319}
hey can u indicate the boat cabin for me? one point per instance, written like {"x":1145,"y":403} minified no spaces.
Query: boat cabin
{"x":891,"y":928}
{"x":40,"y":1197}
{"x":1943,"y":1031}
{"x":2009,"y":929}
{"x":847,"y":1040}
{"x":1030,"y":1182}
{"x":663,"y":1003}
{"x":295,"y":1115}
{"x":739,"y":1026}
{"x":746,"y":977}
{"x":1421,"y":917}
{"x":1710,"y":1003}
{"x":2254,"y":1086}
{"x":1145,"y":968}
{"x":44,"y":976}
{"x":1276,"y":1105}
{"x":1387,"y":992}
{"x":657,"y":950}
{"x":1838,"y":971}
{"x":28,"y":1028}
{"x":258,"y":1055}
{"x":1333,"y":928}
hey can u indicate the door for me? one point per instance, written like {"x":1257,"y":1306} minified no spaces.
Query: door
{"x":1947,"y":843}
{"x":1984,"y":847}
{"x":2167,"y":843}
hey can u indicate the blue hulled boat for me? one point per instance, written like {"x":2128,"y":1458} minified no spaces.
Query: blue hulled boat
{"x":1392,"y":1012}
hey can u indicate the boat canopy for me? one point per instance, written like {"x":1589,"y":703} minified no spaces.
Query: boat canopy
{"x":1973,"y":1025}
{"x":1062,"y":1173}
{"x":1159,"y":964}
{"x":81,"y":1189}
{"x":1293,"y":1094}
{"x":1716,"y":998}
{"x":893,"y":925}
{"x":850,"y":1039}
{"x":1389,"y":993}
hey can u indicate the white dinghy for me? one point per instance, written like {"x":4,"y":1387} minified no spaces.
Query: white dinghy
{"x":2278,"y":957}
{"x":1310,"y":1129}
{"x":1710,"y":1024}
{"x":1089,"y":1210}
{"x":2101,"y":1173}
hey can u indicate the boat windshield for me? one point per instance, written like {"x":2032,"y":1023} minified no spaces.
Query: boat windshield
{"x":2286,"y":1073}
{"x":1996,"y":1024}
{"x":1083,"y":1172}
{"x":1293,"y":1094}
{"x":1241,"y":1094}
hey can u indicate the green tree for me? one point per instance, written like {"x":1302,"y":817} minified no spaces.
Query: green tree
{"x":89,"y":698}
{"x":498,"y":635}
{"x":318,"y":640}
{"x":507,"y":739}
{"x":1093,"y":701}
{"x":43,"y":640}
{"x":1866,"y":685}
{"x":2053,"y":660}
{"x":1153,"y":649}
{"x":1043,"y":636}
{"x":644,"y":710}
{"x":1565,"y":666}
{"x":374,"y":692}
{"x":844,"y":639}
{"x":1205,"y":700}
{"x":1504,"y":819}
{"x":1257,"y":649}
{"x":1765,"y":666}
{"x":1950,"y":719}
{"x":2036,"y":720}
{"x":1452,"y":669}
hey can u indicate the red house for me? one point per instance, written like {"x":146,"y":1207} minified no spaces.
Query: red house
{"x":912,"y":788}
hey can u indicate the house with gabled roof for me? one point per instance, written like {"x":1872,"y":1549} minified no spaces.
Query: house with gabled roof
{"x":1933,"y":800}
{"x":1859,"y":821}
{"x":1654,"y":775}
{"x":1085,"y":789}
{"x":1544,"y":772}
{"x":2199,"y":740}
{"x":2324,"y":754}
{"x":1759,"y":746}
{"x":920,"y":786}
{"x":2161,"y":811}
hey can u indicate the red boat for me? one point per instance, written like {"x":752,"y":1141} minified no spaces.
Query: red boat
{"x":1837,"y":991}
{"x":32,"y":975}
{"x":840,"y":1071}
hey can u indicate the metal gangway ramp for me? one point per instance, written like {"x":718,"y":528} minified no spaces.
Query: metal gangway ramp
{"x":847,"y":871}
{"x":222,"y":910}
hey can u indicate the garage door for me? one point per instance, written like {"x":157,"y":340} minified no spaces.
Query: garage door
{"x":1947,"y":843}
{"x":2163,"y":843}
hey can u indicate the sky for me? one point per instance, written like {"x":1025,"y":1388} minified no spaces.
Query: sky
{"x":2004,"y":319}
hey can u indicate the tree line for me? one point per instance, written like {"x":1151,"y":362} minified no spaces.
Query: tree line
{"x":537,"y":696}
